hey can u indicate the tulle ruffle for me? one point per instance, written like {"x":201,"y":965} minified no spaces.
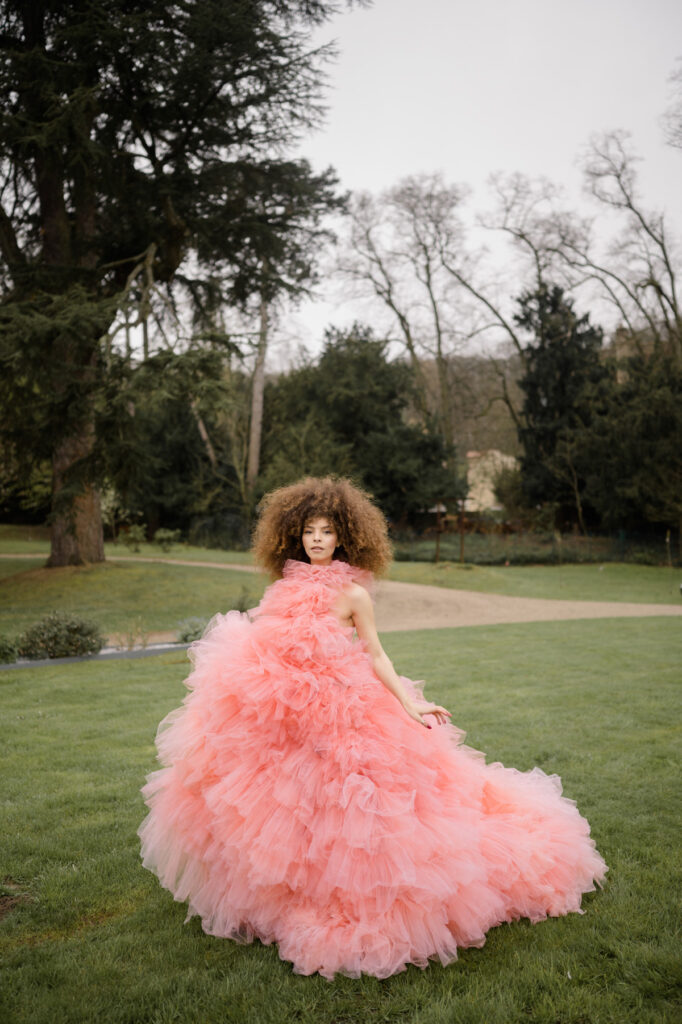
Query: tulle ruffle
{"x":299,"y":804}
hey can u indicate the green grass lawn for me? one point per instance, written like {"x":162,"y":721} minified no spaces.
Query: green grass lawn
{"x":13,"y":566}
{"x":35,"y":540}
{"x":121,"y":596}
{"x":24,"y":539}
{"x":88,"y":935}
{"x":180,"y":552}
{"x":612,"y":581}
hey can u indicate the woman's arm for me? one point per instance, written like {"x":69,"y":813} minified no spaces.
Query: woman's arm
{"x":362,"y":614}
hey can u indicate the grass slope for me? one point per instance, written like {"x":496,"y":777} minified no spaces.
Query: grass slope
{"x":612,"y":581}
{"x":90,"y":936}
{"x":121,"y":596}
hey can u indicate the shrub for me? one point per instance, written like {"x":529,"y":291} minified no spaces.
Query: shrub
{"x":134,"y":636}
{"x":134,"y":536}
{"x":228,"y":531}
{"x":191,"y":630}
{"x":243,"y":602}
{"x":8,"y":650}
{"x":60,"y":636}
{"x":166,"y":538}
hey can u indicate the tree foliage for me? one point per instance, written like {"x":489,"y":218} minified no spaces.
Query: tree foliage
{"x":602,"y":436}
{"x":624,"y":257}
{"x":562,"y":369}
{"x":141,"y":149}
{"x":150,"y":448}
{"x":631,"y":450}
{"x":348,"y":413}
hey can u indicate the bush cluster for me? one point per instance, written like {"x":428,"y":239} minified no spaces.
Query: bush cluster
{"x":166,"y":538}
{"x":60,"y":635}
{"x":191,"y":630}
{"x":226,"y":530}
{"x":134,"y":536}
{"x":8,"y":650}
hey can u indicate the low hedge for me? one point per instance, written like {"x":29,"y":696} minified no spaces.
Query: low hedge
{"x":60,"y":635}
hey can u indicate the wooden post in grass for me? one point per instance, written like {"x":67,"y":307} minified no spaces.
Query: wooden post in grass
{"x":461,"y":530}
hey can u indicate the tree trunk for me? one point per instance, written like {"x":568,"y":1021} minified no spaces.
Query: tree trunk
{"x":203,"y":433}
{"x":76,"y":535}
{"x":257,"y":399}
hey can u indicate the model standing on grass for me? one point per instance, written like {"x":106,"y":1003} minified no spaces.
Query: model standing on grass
{"x":312,"y":797}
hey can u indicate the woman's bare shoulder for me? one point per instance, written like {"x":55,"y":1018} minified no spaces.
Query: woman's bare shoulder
{"x":358,"y":595}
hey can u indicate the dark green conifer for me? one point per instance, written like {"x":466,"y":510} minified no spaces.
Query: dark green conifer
{"x":139,"y":135}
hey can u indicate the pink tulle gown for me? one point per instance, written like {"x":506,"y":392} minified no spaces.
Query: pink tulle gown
{"x":301,"y":805}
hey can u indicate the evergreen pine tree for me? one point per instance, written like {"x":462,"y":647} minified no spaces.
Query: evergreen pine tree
{"x":562,"y":369}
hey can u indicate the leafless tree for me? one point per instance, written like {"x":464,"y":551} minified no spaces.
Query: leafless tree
{"x":672,"y":119}
{"x":635,"y":271}
{"x":410,"y":247}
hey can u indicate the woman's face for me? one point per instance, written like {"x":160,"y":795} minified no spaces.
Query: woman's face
{"x":319,"y":540}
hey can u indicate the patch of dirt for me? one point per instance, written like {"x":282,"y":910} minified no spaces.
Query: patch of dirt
{"x":11,"y":897}
{"x":401,"y":606}
{"x":7,"y":904}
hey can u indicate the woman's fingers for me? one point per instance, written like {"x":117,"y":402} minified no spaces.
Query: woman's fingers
{"x":441,"y":714}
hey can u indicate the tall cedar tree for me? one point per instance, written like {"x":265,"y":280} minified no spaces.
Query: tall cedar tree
{"x":562,"y":368}
{"x":133,"y":130}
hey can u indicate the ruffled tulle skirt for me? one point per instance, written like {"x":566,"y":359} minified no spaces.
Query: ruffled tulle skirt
{"x":300,"y":805}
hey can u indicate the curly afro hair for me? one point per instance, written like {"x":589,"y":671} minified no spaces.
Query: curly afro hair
{"x":360,"y":526}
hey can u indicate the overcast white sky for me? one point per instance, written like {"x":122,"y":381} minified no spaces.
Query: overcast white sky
{"x":468,"y":87}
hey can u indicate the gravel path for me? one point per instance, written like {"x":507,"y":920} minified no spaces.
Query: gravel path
{"x":416,"y":606}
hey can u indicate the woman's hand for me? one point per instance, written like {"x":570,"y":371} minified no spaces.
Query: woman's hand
{"x":418,"y":711}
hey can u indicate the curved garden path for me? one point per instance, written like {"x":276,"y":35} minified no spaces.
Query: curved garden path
{"x":418,"y":606}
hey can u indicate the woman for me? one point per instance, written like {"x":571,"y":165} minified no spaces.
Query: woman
{"x":303,"y":802}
